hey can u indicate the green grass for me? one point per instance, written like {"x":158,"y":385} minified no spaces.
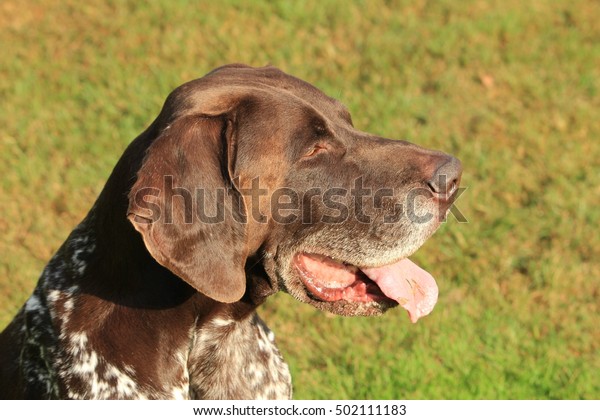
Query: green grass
{"x":511,"y":88}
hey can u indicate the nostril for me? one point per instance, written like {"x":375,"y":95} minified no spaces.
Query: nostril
{"x":441,"y":186}
{"x":433,"y":187}
{"x":451,"y":186}
{"x":446,"y":178}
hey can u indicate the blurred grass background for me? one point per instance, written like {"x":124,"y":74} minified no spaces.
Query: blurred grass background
{"x":509,"y":87}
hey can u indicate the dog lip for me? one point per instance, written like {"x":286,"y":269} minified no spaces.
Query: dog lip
{"x":351,"y":285}
{"x":403,"y":282}
{"x":350,"y":263}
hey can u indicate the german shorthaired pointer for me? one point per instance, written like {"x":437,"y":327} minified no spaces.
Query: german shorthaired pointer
{"x":248,"y":182}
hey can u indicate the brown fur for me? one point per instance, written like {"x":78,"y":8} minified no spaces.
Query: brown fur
{"x":139,"y":306}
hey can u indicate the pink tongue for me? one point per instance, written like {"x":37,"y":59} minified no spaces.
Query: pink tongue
{"x":408,"y":284}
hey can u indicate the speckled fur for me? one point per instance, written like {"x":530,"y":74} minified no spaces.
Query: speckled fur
{"x":223,"y":358}
{"x":247,"y":364}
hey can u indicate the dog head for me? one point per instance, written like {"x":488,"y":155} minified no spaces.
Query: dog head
{"x":254,"y":177}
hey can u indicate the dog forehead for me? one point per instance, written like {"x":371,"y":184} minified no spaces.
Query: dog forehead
{"x":224,"y":86}
{"x":279,"y":82}
{"x":267,"y":77}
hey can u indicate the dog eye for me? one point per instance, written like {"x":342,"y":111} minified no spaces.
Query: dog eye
{"x":315,"y":149}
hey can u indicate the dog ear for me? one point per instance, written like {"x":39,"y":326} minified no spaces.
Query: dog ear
{"x":191,"y":217}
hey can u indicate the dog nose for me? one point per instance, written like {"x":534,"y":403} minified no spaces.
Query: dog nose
{"x":446,"y":178}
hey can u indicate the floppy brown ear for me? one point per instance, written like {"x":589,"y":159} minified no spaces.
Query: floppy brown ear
{"x":185,"y":207}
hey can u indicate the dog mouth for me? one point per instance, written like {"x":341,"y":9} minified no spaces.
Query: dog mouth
{"x":401,"y":282}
